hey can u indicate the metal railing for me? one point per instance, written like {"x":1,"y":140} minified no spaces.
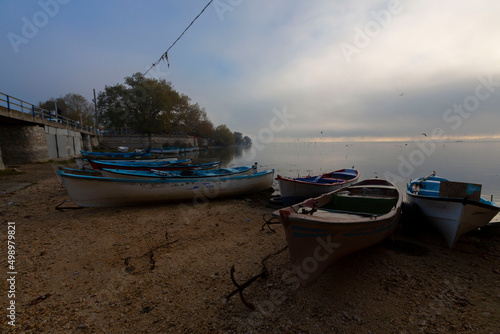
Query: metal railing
{"x":12,"y":103}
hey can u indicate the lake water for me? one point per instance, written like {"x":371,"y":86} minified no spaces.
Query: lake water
{"x":474,"y":162}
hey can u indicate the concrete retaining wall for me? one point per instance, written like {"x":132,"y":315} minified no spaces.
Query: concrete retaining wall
{"x":63,"y":143}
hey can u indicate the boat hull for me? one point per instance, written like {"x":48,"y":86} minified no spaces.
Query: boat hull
{"x":317,"y":239}
{"x":454,"y":217}
{"x":145,"y":166}
{"x":91,"y":191}
{"x":295,"y":190}
{"x":84,"y":163}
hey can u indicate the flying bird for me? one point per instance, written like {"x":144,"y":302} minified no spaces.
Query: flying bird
{"x":401,"y":94}
{"x":424,"y":134}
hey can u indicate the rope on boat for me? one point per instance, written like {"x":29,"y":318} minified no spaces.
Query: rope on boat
{"x":240,"y":287}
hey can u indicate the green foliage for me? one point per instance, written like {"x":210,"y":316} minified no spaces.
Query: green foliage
{"x":72,"y":106}
{"x":246,"y":141}
{"x":112,"y":108}
{"x":205,"y":129}
{"x":148,"y":106}
{"x":238,"y":138}
{"x":152,"y":106}
{"x":143,"y":104}
{"x":223,"y":136}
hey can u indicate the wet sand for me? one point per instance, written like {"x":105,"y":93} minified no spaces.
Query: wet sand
{"x":166,"y":268}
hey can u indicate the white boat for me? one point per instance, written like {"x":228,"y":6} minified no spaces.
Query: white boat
{"x":454,"y":208}
{"x":295,"y":190}
{"x":91,"y":190}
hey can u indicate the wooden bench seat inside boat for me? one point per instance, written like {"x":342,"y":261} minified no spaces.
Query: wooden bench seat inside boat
{"x":340,"y":216}
{"x":369,"y":201}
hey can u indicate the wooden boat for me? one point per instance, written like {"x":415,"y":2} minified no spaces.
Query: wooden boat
{"x":295,"y":190}
{"x":323,"y":229}
{"x":155,"y":174}
{"x":454,"y":208}
{"x":159,"y":165}
{"x":89,"y":190}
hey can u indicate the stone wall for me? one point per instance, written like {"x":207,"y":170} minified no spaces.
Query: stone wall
{"x":134,"y":142}
{"x":22,"y":144}
{"x":2,"y":166}
{"x":25,"y":144}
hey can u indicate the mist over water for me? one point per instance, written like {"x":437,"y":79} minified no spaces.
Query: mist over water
{"x":475,"y":162}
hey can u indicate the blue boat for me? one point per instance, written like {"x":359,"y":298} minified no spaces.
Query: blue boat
{"x":109,"y":155}
{"x":159,"y":165}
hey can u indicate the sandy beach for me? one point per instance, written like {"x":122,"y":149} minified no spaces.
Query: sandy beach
{"x":166,"y":269}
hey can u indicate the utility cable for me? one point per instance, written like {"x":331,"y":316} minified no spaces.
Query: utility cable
{"x":165,"y":55}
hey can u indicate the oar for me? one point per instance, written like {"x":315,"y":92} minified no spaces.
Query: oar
{"x":428,"y":176}
{"x":416,"y":185}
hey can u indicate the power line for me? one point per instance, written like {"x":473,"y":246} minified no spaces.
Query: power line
{"x":165,"y":55}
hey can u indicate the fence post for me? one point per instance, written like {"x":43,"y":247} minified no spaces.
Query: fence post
{"x":33,"y":111}
{"x":8,"y":103}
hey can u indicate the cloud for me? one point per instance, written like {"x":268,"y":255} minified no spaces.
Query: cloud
{"x":424,"y":50}
{"x":262,"y":55}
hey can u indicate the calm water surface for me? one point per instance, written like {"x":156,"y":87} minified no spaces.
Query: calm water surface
{"x":475,"y":162}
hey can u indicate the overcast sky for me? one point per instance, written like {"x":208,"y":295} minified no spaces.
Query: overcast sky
{"x":280,"y":69}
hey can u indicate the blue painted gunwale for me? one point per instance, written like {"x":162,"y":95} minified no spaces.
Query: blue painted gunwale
{"x":141,"y":163}
{"x":178,"y":173}
{"x":318,"y":179}
{"x":430,"y":190}
{"x":61,"y":173}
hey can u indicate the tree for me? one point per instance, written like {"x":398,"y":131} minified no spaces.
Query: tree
{"x":144,"y":104}
{"x":111,"y":106}
{"x":78,"y":108}
{"x":238,"y":138}
{"x":205,"y":129}
{"x":150,"y":103}
{"x":247,"y":141}
{"x":223,"y":136}
{"x":191,"y":117}
{"x":50,"y":105}
{"x":72,"y":106}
